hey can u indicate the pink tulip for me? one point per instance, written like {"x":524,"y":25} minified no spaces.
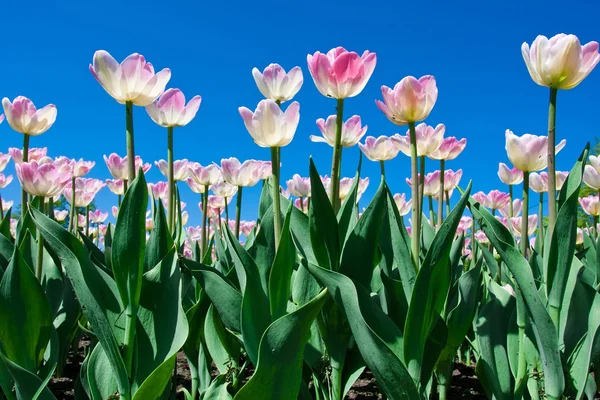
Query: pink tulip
{"x":266,"y":170}
{"x":275,"y":84}
{"x":449,"y":149}
{"x":132,"y":81}
{"x":431,"y":183}
{"x":345,"y":186}
{"x":7,"y":205}
{"x":116,"y":186}
{"x":194,"y":233}
{"x":24,"y":118}
{"x":196,"y":188}
{"x":223,"y":189}
{"x":1,"y":118}
{"x":170,"y":109}
{"x":363,"y":183}
{"x":529,"y":152}
{"x":464,"y":225}
{"x":181,"y":169}
{"x":383,"y":148}
{"x":60,"y":215}
{"x":481,"y":237}
{"x":34,"y":154}
{"x":211,"y":211}
{"x":561,"y":178}
{"x":341,"y":74}
{"x":590,"y":205}
{"x":269,"y":125}
{"x":42,"y":179}
{"x":517,"y":206}
{"x":299,"y":186}
{"x":285,"y":192}
{"x":115,"y":211}
{"x":117,"y":166}
{"x":184,"y":218}
{"x":452,"y":179}
{"x":404,"y":206}
{"x":217,"y":202}
{"x":85,"y":191}
{"x":5,"y":180}
{"x":98,"y":216}
{"x":429,"y":139}
{"x":495,"y":199}
{"x":326,"y":182}
{"x":205,"y":176}
{"x":246,"y":227}
{"x":559,"y":62}
{"x":538,"y":182}
{"x":102,"y":228}
{"x":244,"y":174}
{"x":81,"y":168}
{"x":352,"y":131}
{"x":532,"y":221}
{"x":510,"y":176}
{"x":591,"y":174}
{"x":81,"y":221}
{"x":4,"y":159}
{"x":302,"y":204}
{"x":159,"y":190}
{"x":411,"y":100}
{"x":579,"y":238}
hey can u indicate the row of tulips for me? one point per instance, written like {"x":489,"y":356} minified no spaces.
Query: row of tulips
{"x":315,"y":292}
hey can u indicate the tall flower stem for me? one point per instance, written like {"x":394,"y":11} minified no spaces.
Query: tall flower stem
{"x":130,"y":147}
{"x":1,"y":209}
{"x":431,"y":217}
{"x":238,"y":212}
{"x":416,"y":223}
{"x":119,"y":199}
{"x":171,"y":181}
{"x":276,"y":197}
{"x":421,"y":185}
{"x":382,"y":166}
{"x":302,"y":204}
{"x":25,"y":159}
{"x":440,"y":217}
{"x":552,"y":161}
{"x":40,"y":246}
{"x":525,"y":214}
{"x":447,"y":202}
{"x":510,"y":206}
{"x":72,"y":222}
{"x":87,"y":220}
{"x":336,"y":163}
{"x":540,"y":235}
{"x":226,"y":210}
{"x":204,"y":217}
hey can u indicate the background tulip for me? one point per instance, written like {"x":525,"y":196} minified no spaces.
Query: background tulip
{"x":98,"y":216}
{"x":243,"y":174}
{"x":5,"y":180}
{"x":116,"y":186}
{"x":452,"y":179}
{"x":299,"y":186}
{"x":411,"y":100}
{"x":117,"y":166}
{"x":4,"y":159}
{"x":24,"y":118}
{"x":266,"y":170}
{"x":449,"y":148}
{"x":170,"y":109}
{"x":352,"y":131}
{"x":431,"y":183}
{"x":60,"y":215}
{"x":429,"y":139}
{"x":510,"y":176}
{"x":34,"y":154}
{"x":42,"y":180}
{"x":341,"y":74}
{"x":529,"y":152}
{"x":181,"y":169}
{"x":223,"y":189}
{"x":532,"y":221}
{"x":591,"y":205}
{"x":269,"y":126}
{"x":275,"y":84}
{"x":539,"y":182}
{"x":159,"y":190}
{"x":205,"y":175}
{"x":382,"y":148}
{"x":591,"y":174}
{"x":1,"y":118}
{"x":402,"y":204}
{"x":301,"y":204}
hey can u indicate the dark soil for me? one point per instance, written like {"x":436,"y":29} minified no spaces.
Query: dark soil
{"x":464,"y":382}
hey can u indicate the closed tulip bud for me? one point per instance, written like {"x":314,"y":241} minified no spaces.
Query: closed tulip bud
{"x":341,"y":74}
{"x":510,"y":176}
{"x":244,"y":174}
{"x":382,"y":148}
{"x":431,"y":183}
{"x":299,"y":186}
{"x":98,"y":216}
{"x":352,"y":131}
{"x":403,"y":206}
{"x":116,"y":186}
{"x":591,"y":174}
{"x":170,"y":109}
{"x":590,"y":205}
{"x":529,"y":152}
{"x":559,"y":62}
{"x":579,"y":238}
{"x":411,"y":100}
{"x":429,"y":139}
{"x":4,"y":159}
{"x":5,"y":180}
{"x":184,"y":218}
{"x":24,"y":118}
{"x":81,"y":168}
{"x":532,"y":221}
{"x":34,"y":154}
{"x":43,"y":179}
{"x":449,"y":148}
{"x":269,"y":125}
{"x":223,"y":189}
{"x":60,"y":215}
{"x":149,"y":224}
{"x":181,"y":169}
{"x":159,"y":190}
{"x":205,"y":175}
{"x":452,"y":179}
{"x":275,"y":84}
{"x":132,"y":81}
{"x":115,"y":211}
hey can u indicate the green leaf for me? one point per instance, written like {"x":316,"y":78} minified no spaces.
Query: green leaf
{"x":281,"y":271}
{"x":129,"y":243}
{"x":300,"y":232}
{"x":218,"y":389}
{"x":28,"y":386}
{"x":160,"y":241}
{"x":348,"y":213}
{"x":25,"y":316}
{"x":222,"y":345}
{"x":581,"y":360}
{"x":279,"y":368}
{"x":102,"y":382}
{"x":263,"y":250}
{"x":5,"y":225}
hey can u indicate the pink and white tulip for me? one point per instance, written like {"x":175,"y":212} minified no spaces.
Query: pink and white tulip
{"x":591,"y":174}
{"x":98,"y":216}
{"x":41,"y":179}
{"x":7,"y":205}
{"x":352,"y":131}
{"x":383,"y":148}
{"x":299,"y":186}
{"x":449,"y":148}
{"x":591,"y":205}
{"x":60,"y":215}
{"x":266,"y":170}
{"x":205,"y":176}
{"x":33,"y":154}
{"x":170,"y":109}
{"x":431,"y":183}
{"x":224,"y":189}
{"x":5,"y":180}
{"x":243,"y":174}
{"x":302,"y":204}
{"x":275,"y":84}
{"x":529,"y":152}
{"x":411,"y":100}
{"x":452,"y":179}
{"x":181,"y":169}
{"x":510,"y":176}
{"x":269,"y":125}
{"x":115,"y":211}
{"x":159,"y":190}
{"x":517,"y":208}
{"x":532,"y":221}
{"x":404,"y":206}
{"x":117,"y":166}
{"x":495,"y":199}
{"x":24,"y":118}
{"x":117,"y":186}
{"x":81,"y":168}
{"x":4,"y":159}
{"x":429,"y":139}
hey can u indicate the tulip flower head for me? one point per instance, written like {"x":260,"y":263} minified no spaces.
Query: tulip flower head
{"x":429,"y":139}
{"x":382,"y":148}
{"x":352,"y":131}
{"x":517,"y":207}
{"x":431,"y":183}
{"x":4,"y":159}
{"x":5,"y":180}
{"x":117,"y":166}
{"x":591,"y":174}
{"x":266,"y":170}
{"x":275,"y":84}
{"x":538,"y":182}
{"x":285,"y":192}
{"x":116,"y":186}
{"x":223,"y":189}
{"x":133,"y":80}
{"x":60,"y":215}
{"x":81,"y":168}
{"x":170,"y":109}
{"x":560,"y":62}
{"x":195,"y":187}
{"x":579,"y":239}
{"x":449,"y":148}
{"x":181,"y":169}
{"x":244,"y":174}
{"x":7,"y":205}
{"x":591,"y":205}
{"x":24,"y":118}
{"x":205,"y":176}
{"x":510,"y":176}
{"x":159,"y":190}
{"x":302,"y":204}
{"x":41,"y":179}
{"x":341,"y":74}
{"x":404,"y":206}
{"x":246,"y":227}
{"x":34,"y":154}
{"x":194,"y":233}
{"x":269,"y":125}
{"x":115,"y":211}
{"x":411,"y":100}
{"x":529,"y":152}
{"x":495,"y":199}
{"x":532,"y":221}
{"x":299,"y":186}
{"x":98,"y":216}
{"x":452,"y":179}
{"x":481,"y":237}
{"x":85,"y":191}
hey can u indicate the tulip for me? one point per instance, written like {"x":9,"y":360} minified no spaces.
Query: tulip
{"x":181,"y":169}
{"x":513,"y":209}
{"x":301,"y":204}
{"x":194,"y":233}
{"x":115,"y":211}
{"x":98,"y":216}
{"x":116,"y":186}
{"x":204,"y":176}
{"x":243,"y":174}
{"x":1,"y":118}
{"x":81,"y":168}
{"x":529,"y":152}
{"x":285,"y":192}
{"x":24,"y":118}
{"x":345,"y":186}
{"x":401,"y":203}
{"x":530,"y":226}
{"x":266,"y":170}
{"x":4,"y":159}
{"x":451,"y":179}
{"x":60,"y":215}
{"x":363,"y":183}
{"x":341,"y":74}
{"x":35,"y":154}
{"x":41,"y":179}
{"x":81,"y":221}
{"x":6,"y":205}
{"x":225,"y":190}
{"x":117,"y":166}
{"x":591,"y":206}
{"x":429,"y":139}
{"x":159,"y":190}
{"x":494,"y":200}
{"x":5,"y":180}
{"x":247,"y":227}
{"x":510,"y":176}
{"x":538,"y":182}
{"x":277,"y":85}
{"x":579,"y":238}
{"x":299,"y":186}
{"x":481,"y":237}
{"x":430,"y":186}
{"x":464,"y":225}
{"x":383,"y":148}
{"x":149,"y":224}
{"x":352,"y":131}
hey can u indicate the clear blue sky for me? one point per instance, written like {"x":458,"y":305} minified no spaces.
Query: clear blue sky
{"x":472,"y":48}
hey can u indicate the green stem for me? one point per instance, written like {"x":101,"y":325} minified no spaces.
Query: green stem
{"x":87,"y":220}
{"x":540,"y":235}
{"x":40,"y":247}
{"x":49,"y":209}
{"x":447,"y":202}
{"x":440,"y":217}
{"x":25,"y":159}
{"x":336,"y":163}
{"x":130,"y":147}
{"x":510,"y":206}
{"x":301,"y":203}
{"x":124,"y":186}
{"x":72,"y":222}
{"x":238,"y":212}
{"x":552,"y":160}
{"x":119,"y":200}
{"x":226,"y":211}
{"x":276,"y":197}
{"x":525,"y":214}
{"x":128,"y":340}
{"x":171,"y":181}
{"x":382,"y":167}
{"x":416,"y":225}
{"x":431,"y":222}
{"x":204,"y":218}
{"x":421,"y":185}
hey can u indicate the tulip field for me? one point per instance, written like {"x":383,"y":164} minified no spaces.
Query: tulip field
{"x":317,"y":293}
